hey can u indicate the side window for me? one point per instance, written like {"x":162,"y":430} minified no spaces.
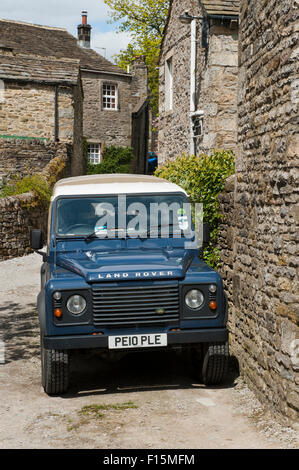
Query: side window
{"x":109,"y":96}
{"x":94,"y":153}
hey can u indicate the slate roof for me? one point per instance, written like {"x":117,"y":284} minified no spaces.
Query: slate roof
{"x":49,"y":41}
{"x":221,"y":7}
{"x":37,"y":68}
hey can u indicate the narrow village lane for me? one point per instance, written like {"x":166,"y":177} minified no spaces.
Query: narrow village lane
{"x":140,"y":402}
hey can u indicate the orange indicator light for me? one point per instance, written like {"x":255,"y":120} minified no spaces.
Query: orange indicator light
{"x":58,"y":312}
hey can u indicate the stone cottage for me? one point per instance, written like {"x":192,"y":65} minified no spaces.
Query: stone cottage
{"x":110,"y":94}
{"x":259,"y":236}
{"x":198,"y":78}
{"x":40,"y":111}
{"x":111,"y":97}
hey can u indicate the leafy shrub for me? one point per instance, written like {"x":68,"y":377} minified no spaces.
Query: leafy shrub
{"x":203,"y":178}
{"x":115,"y":160}
{"x":41,"y":184}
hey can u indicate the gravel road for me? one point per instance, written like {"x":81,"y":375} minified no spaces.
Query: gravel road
{"x":140,"y":402}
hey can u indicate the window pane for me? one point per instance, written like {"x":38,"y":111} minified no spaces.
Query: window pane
{"x":109,"y":96}
{"x":94,"y":153}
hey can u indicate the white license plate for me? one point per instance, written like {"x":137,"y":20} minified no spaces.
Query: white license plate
{"x":137,"y":341}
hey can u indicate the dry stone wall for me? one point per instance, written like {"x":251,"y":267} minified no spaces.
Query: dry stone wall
{"x":21,"y":212}
{"x":24,"y":156}
{"x":259,"y":240}
{"x":17,"y":216}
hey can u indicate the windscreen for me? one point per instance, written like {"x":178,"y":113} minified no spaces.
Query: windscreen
{"x":160,"y":215}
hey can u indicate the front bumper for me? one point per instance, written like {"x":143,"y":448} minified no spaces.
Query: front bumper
{"x":207,"y":335}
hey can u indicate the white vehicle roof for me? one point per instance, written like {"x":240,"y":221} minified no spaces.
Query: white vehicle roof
{"x":110,"y":184}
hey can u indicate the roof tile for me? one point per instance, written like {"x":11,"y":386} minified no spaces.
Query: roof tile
{"x":37,"y":68}
{"x":48,"y":41}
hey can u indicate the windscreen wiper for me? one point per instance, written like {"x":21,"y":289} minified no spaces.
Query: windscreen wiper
{"x":97,"y":232}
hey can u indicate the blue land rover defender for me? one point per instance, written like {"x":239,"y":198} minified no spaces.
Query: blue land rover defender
{"x":122,"y":274}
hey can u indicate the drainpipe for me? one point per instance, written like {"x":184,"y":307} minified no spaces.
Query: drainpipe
{"x":186,"y":18}
{"x":192,"y":84}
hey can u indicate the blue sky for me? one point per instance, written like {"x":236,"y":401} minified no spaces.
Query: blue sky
{"x":67,"y":14}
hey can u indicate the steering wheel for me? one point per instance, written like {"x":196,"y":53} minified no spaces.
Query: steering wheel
{"x":75,"y":228}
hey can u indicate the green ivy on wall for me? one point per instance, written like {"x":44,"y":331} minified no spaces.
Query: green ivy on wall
{"x":203,"y":178}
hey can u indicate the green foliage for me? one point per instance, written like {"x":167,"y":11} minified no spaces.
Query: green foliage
{"x":140,"y":17}
{"x":150,"y":49}
{"x":145,"y":21}
{"x":115,"y":160}
{"x":203,"y":178}
{"x":39,"y":185}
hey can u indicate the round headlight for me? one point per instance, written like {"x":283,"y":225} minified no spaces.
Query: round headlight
{"x":194,"y":299}
{"x":76,"y":304}
{"x":212,"y":288}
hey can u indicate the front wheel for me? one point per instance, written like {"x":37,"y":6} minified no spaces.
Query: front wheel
{"x":210,"y":361}
{"x":55,"y":370}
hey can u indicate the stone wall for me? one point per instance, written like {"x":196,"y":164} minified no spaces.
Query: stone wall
{"x":23,"y":156}
{"x":109,"y":127}
{"x":216,"y":84}
{"x":29,"y":132}
{"x":218,"y":92}
{"x":20,"y":213}
{"x":259,"y":241}
{"x":139,"y":85}
{"x":77,"y":163}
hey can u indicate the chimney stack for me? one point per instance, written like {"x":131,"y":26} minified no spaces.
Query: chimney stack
{"x":84,"y":32}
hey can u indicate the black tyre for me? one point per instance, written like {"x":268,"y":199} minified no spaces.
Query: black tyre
{"x":214,"y":363}
{"x":55,"y":371}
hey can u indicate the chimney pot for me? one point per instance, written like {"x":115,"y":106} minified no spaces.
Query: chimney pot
{"x":84,"y":17}
{"x":84,"y":30}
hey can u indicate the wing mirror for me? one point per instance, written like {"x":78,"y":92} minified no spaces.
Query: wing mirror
{"x":36,"y":239}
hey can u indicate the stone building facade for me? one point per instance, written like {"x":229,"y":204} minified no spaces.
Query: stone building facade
{"x":259,"y":235}
{"x":198,"y":103}
{"x":113,"y":126}
{"x":110,"y":97}
{"x":41,"y":100}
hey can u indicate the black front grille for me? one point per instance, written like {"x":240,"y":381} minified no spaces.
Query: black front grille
{"x":135,"y":305}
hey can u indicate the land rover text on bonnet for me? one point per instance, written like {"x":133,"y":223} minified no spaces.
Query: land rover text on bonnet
{"x":123,"y":273}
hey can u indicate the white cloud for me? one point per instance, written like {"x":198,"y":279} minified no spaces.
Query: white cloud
{"x":111,"y":41}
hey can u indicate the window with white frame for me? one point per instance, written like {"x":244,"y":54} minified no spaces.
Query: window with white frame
{"x":169,"y":85}
{"x":94,"y":153}
{"x":109,"y":96}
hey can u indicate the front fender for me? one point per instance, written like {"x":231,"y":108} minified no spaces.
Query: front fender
{"x":41,"y":307}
